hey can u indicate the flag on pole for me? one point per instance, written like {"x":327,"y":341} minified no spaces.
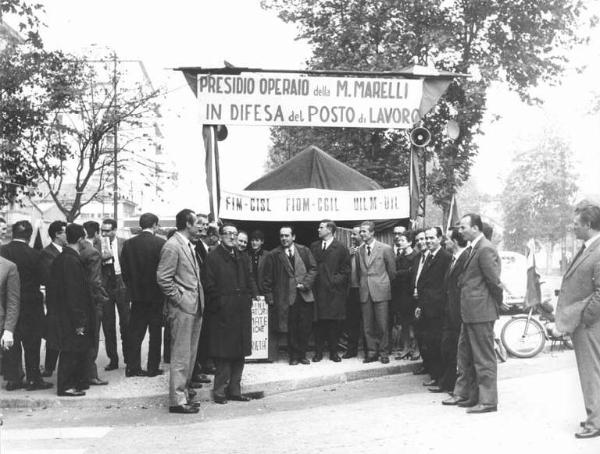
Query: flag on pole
{"x":211,"y":163}
{"x":414,"y":186}
{"x":533,"y":294}
{"x":453,"y":217}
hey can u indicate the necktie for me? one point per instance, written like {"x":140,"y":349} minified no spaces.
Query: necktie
{"x":193,"y":252}
{"x":369,"y":251}
{"x":324,"y":245}
{"x":398,"y":252}
{"x":291,"y":258}
{"x":453,"y":262}
{"x":469,"y":250}
{"x":578,"y":254}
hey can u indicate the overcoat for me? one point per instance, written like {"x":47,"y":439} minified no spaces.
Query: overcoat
{"x":403,"y":301}
{"x":279,"y":279}
{"x":70,"y":305}
{"x":331,"y":283}
{"x":229,"y":303}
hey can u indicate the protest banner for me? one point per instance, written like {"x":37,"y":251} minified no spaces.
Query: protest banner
{"x":260,"y":329}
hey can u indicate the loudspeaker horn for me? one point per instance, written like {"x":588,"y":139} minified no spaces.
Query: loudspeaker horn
{"x":420,"y":137}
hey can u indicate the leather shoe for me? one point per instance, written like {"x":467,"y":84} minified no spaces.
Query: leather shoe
{"x":47,"y":373}
{"x":384,"y":360}
{"x":208,"y":370}
{"x":304,"y":361}
{"x":293,"y":362}
{"x":455,"y":400}
{"x":588,"y":432}
{"x":420,"y":371}
{"x":37,"y":385}
{"x":98,"y":382}
{"x":220,"y":400}
{"x":370,"y":359}
{"x":349,"y":355}
{"x":82,"y":386}
{"x":111,"y":366}
{"x":432,"y":382}
{"x":71,"y":393}
{"x":335,"y":358}
{"x":240,"y":398}
{"x":483,"y":409}
{"x":155,"y":372}
{"x":202,"y":378}
{"x":318,"y":357}
{"x":14,"y":385}
{"x":136,"y":373}
{"x":185,"y":409}
{"x":192,"y":403}
{"x":437,"y":389}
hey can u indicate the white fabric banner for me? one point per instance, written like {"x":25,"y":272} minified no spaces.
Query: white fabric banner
{"x":315,"y":205}
{"x":260,"y":329}
{"x":276,"y":99}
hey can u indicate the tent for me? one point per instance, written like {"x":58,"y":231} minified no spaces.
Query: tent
{"x":311,"y":168}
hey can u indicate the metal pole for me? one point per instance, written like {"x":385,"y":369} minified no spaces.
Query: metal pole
{"x":424,"y":190}
{"x":115,"y":144}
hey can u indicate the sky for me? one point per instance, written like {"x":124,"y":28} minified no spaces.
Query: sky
{"x":205,"y":33}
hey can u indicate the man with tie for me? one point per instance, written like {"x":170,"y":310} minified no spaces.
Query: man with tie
{"x":377,"y":271}
{"x":139,"y":262}
{"x":578,"y":312}
{"x":423,"y":253}
{"x":178,"y":276}
{"x":10,"y":302}
{"x":289,"y":274}
{"x":480,"y":297}
{"x":353,"y":325}
{"x":58,"y":236}
{"x":330,"y":289}
{"x":451,"y":322}
{"x":112,"y":280}
{"x":430,"y":298}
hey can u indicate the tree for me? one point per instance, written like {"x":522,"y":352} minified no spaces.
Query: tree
{"x":520,"y":43}
{"x":538,"y":196}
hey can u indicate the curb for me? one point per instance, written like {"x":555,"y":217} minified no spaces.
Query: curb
{"x":204,"y":394}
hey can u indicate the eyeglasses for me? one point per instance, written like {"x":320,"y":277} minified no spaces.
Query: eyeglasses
{"x":230,"y":233}
{"x":105,"y":230}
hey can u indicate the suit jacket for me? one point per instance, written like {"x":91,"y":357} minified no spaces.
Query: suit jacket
{"x":139,"y":262}
{"x":10,"y":295}
{"x":92,"y":264}
{"x":579,"y":297}
{"x":48,"y":254}
{"x":280,"y":280}
{"x":28,"y":261}
{"x":480,"y":287}
{"x":70,"y":304}
{"x":452,"y":320}
{"x":430,"y":286}
{"x":178,"y":276}
{"x":377,"y":272}
{"x":331,"y":284}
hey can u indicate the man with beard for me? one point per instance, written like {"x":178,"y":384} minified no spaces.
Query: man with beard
{"x":229,"y":302}
{"x":290,"y":272}
{"x":71,"y":315}
{"x":330,"y":289}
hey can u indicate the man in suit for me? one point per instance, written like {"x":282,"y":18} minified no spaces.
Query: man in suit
{"x":377,"y":271}
{"x":117,"y":292}
{"x":229,"y":294}
{"x":353,"y":325}
{"x":10,"y":302}
{"x":58,"y":235}
{"x":330,"y":289}
{"x":578,"y":312}
{"x":139,"y":262}
{"x":3,"y":230}
{"x":92,"y":266}
{"x":30,"y":326}
{"x":456,"y":245}
{"x":178,"y":276}
{"x":431,"y":298}
{"x":402,"y":290}
{"x":423,"y":253}
{"x":289,"y":274}
{"x":480,"y":297}
{"x":71,"y":315}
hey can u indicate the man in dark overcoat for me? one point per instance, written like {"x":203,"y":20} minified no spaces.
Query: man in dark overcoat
{"x":30,"y":326}
{"x":330,"y":289}
{"x":71,"y":315}
{"x":229,"y":302}
{"x":289,"y":274}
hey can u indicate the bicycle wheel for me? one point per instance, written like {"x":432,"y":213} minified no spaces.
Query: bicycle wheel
{"x":521,"y":344}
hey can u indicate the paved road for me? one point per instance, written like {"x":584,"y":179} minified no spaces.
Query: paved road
{"x":540,"y":407}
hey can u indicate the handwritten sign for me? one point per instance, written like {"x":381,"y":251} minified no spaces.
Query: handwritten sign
{"x":260,"y":329}
{"x":270,"y":99}
{"x":315,"y":204}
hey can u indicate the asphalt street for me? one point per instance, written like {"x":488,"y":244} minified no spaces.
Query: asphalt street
{"x":540,"y":408}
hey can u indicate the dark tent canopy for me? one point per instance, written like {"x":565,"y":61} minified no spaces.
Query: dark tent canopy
{"x":311,"y":168}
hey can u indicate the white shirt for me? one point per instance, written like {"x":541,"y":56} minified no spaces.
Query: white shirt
{"x":293,"y":251}
{"x":58,"y":247}
{"x":115,"y":252}
{"x":589,"y":242}
{"x":475,"y":241}
{"x":327,"y":243}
